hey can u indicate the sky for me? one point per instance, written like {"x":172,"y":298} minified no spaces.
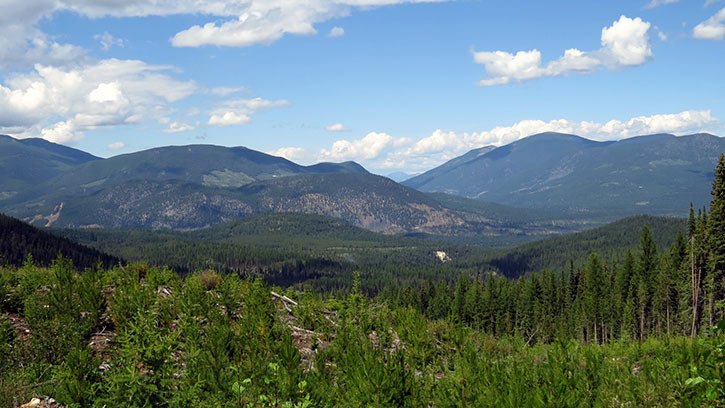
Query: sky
{"x":396,"y":85}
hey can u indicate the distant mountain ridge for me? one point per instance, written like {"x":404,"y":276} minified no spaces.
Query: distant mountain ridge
{"x":655,"y":174}
{"x":197,"y":186}
{"x":540,"y":185}
{"x":25,"y":162}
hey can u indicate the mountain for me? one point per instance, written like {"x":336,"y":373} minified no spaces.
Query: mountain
{"x":206,"y":165}
{"x":448,"y":167}
{"x":18,"y":240}
{"x":27,"y":162}
{"x":656,"y":174}
{"x":365,"y":200}
{"x":197,"y":186}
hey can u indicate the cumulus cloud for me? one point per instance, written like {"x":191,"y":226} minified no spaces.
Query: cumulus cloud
{"x":229,"y":118}
{"x":178,"y":127}
{"x":367,"y":148}
{"x":58,"y":92}
{"x":59,"y":104}
{"x":23,"y":44}
{"x":711,"y":29}
{"x":624,"y":43}
{"x":296,"y":154}
{"x":336,"y":32}
{"x":336,"y":127}
{"x":107,"y":41}
{"x":116,"y":146}
{"x":266,"y":21}
{"x":240,"y":111}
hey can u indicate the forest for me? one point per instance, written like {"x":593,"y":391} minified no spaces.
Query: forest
{"x":644,"y":327}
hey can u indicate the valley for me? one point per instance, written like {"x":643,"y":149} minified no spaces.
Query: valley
{"x":362,"y":203}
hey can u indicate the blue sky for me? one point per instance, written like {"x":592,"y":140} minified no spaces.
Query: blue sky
{"x":396,"y":85}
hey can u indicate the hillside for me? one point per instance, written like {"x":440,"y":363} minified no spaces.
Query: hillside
{"x":203,"y":165}
{"x":18,"y":240}
{"x":657,"y":174}
{"x":27,"y":162}
{"x":611,"y":240}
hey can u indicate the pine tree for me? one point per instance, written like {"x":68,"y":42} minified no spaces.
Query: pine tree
{"x":691,"y":222}
{"x":646,"y":269}
{"x":698,"y":258}
{"x":716,"y":241}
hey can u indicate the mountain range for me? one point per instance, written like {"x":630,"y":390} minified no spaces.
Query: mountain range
{"x":544,"y":184}
{"x":191,"y":187}
{"x":656,"y":174}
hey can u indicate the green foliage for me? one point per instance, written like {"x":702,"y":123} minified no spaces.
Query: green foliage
{"x":77,"y":378}
{"x":228,"y":343}
{"x":7,"y":338}
{"x":708,"y":378}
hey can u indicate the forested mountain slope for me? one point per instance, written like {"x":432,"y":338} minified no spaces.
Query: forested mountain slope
{"x":197,"y":186}
{"x":657,"y":174}
{"x":27,"y":162}
{"x":18,"y":240}
{"x":610,"y":241}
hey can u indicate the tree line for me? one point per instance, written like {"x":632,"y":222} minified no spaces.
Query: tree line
{"x":651,"y":292}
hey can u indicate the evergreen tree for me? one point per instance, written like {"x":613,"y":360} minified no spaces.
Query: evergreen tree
{"x":716,"y":239}
{"x":646,"y":268}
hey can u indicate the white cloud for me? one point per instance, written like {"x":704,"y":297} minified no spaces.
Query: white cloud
{"x":243,"y":23}
{"x":624,"y":43}
{"x":266,"y":21}
{"x":336,"y":127}
{"x":107,"y":41}
{"x":240,"y":111}
{"x":657,"y":3}
{"x":229,"y":118}
{"x":336,"y":32}
{"x":295,"y":154}
{"x":711,"y":29}
{"x":116,"y":145}
{"x":23,"y":44}
{"x":60,"y":104}
{"x":367,"y":148}
{"x":627,"y":41}
{"x":178,"y":127}
{"x":62,"y":132}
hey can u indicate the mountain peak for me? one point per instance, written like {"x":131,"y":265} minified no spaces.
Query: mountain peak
{"x":550,"y":137}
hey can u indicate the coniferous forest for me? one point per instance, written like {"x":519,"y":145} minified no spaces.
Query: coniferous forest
{"x":645,"y":328}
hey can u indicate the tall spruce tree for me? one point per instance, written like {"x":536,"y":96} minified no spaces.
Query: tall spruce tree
{"x":647,"y":269}
{"x":716,"y":238}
